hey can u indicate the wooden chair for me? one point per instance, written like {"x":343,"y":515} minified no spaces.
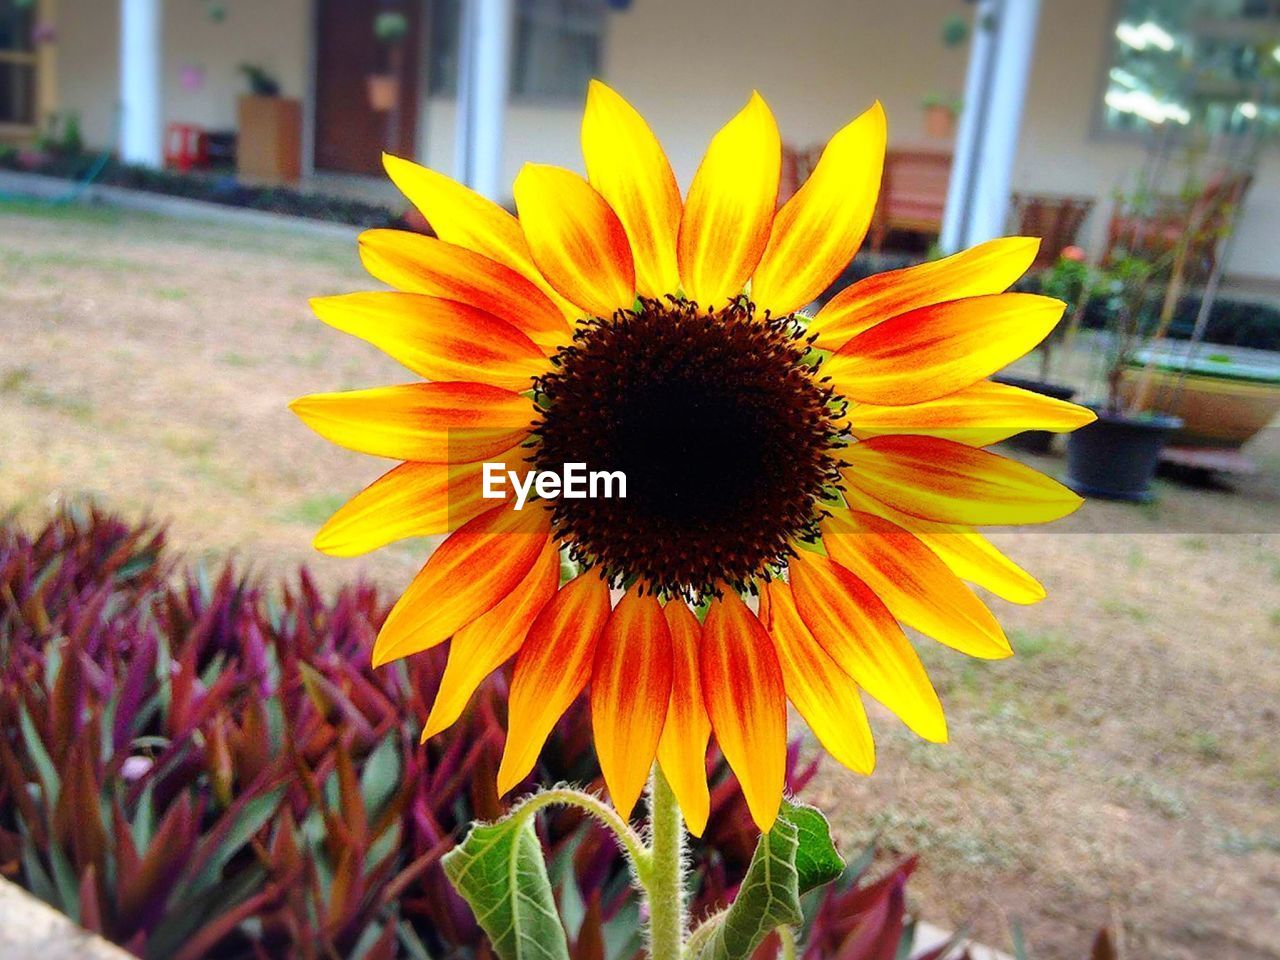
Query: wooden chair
{"x":913,"y":193}
{"x":1055,"y":218}
{"x":1160,"y":225}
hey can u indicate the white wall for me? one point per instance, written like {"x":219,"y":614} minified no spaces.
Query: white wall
{"x":270,"y":33}
{"x":688,"y":65}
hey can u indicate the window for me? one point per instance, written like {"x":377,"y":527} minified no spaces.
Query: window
{"x":555,"y":51}
{"x":17,"y":65}
{"x":1206,"y":65}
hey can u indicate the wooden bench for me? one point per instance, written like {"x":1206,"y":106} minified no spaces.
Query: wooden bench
{"x":913,"y":193}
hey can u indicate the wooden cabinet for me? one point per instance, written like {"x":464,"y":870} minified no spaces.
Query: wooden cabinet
{"x":269,"y":141}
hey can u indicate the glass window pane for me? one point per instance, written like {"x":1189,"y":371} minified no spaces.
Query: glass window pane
{"x":17,"y":93}
{"x":1210,"y":65}
{"x":16,"y":26}
{"x":556,"y":48}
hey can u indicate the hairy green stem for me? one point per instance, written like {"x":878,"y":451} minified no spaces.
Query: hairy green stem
{"x":664,"y":880}
{"x":787,"y":937}
{"x":628,"y":839}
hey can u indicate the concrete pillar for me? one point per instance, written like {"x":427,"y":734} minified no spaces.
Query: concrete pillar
{"x":1000,"y":55}
{"x":484,"y":78}
{"x":142,"y":82}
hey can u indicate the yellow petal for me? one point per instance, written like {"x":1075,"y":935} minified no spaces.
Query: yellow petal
{"x":576,"y":238}
{"x":730,"y":206}
{"x":978,"y":415}
{"x":968,"y":554}
{"x":682,"y":751}
{"x":627,"y":165}
{"x":430,"y":422}
{"x":468,"y":575}
{"x":824,"y":694}
{"x":437,"y":339}
{"x":551,"y":669}
{"x":917,"y":587}
{"x":630,"y":690}
{"x":460,"y":216}
{"x":747,"y":703}
{"x":860,"y":634}
{"x":990,"y":267}
{"x":411,"y":500}
{"x":817,"y":231}
{"x":936,"y":350}
{"x":419,"y":264}
{"x":950,"y":483}
{"x":488,"y":641}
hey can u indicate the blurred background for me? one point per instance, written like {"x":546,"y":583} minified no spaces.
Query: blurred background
{"x":177,"y":177}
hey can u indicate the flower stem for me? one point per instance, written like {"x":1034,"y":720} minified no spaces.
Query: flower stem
{"x":664,"y":879}
{"x":605,"y":814}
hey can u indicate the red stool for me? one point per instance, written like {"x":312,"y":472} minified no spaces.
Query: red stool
{"x":185,"y":147}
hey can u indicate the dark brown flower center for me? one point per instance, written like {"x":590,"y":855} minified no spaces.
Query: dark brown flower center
{"x":721,"y":427}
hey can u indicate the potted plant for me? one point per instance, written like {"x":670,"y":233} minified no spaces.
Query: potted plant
{"x":1070,"y":280}
{"x":942,"y":108}
{"x":1116,"y":456}
{"x":390,"y":29}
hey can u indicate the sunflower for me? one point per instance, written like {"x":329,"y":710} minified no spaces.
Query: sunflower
{"x":798,"y":486}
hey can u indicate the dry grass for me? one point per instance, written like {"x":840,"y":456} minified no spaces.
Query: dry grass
{"x":1125,"y":766}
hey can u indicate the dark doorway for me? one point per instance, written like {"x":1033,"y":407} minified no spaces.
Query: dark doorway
{"x":350,"y":133}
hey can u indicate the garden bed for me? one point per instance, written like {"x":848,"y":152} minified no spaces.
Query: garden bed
{"x":210,"y":187}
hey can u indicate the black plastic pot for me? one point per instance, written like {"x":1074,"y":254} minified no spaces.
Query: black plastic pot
{"x":1116,"y":456}
{"x":1036,"y":441}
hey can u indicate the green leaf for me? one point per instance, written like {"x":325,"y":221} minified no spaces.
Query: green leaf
{"x":48,"y":773}
{"x":499,"y":870}
{"x":817,"y":860}
{"x":250,"y":819}
{"x":381,"y":776}
{"x":793,"y":857}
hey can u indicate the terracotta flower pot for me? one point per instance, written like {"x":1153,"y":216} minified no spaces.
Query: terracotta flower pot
{"x":939,"y":122}
{"x":384,"y":91}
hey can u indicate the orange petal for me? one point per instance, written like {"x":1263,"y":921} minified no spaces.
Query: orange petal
{"x":486,"y":642}
{"x":968,"y":554}
{"x":990,"y":267}
{"x":824,"y":694}
{"x":437,"y":339}
{"x":817,"y":231}
{"x":745,"y":698}
{"x":981,"y":414}
{"x":933,"y":351}
{"x":730,"y":206}
{"x":411,"y":500}
{"x":917,"y":587}
{"x":551,"y":669}
{"x":460,"y":216}
{"x":430,"y":422}
{"x":468,"y":575}
{"x":576,"y":239}
{"x":630,"y":690}
{"x":419,"y":264}
{"x":860,"y":634}
{"x":627,"y":165}
{"x":682,"y":751}
{"x":952,"y":483}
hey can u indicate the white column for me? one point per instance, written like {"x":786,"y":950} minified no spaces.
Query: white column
{"x":484,"y":77}
{"x":1004,"y":36}
{"x":142,"y":82}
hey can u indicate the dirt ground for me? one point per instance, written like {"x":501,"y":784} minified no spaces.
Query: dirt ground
{"x":1123,"y":769}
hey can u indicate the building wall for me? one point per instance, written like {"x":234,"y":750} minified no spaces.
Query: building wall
{"x":270,"y":33}
{"x":688,"y":65}
{"x":1060,"y":152}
